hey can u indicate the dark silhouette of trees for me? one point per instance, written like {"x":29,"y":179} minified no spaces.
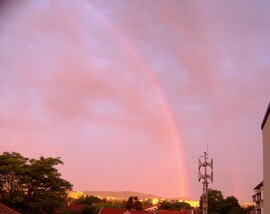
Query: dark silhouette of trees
{"x":174,"y":206}
{"x":134,"y":203}
{"x":218,"y":205}
{"x":89,"y":200}
{"x":215,"y":199}
{"x":231,"y":205}
{"x":30,"y":185}
{"x":89,"y":210}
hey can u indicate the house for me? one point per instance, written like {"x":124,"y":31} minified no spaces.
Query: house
{"x":6,"y":210}
{"x":258,"y":198}
{"x":265,"y":127}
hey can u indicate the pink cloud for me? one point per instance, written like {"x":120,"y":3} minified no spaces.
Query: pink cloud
{"x":71,"y":87}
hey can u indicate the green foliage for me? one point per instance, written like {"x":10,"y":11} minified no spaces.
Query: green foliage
{"x":11,"y":177}
{"x":165,"y":205}
{"x":90,"y":200}
{"x":89,"y":210}
{"x":30,"y":185}
{"x":174,"y":206}
{"x":116,"y":205}
{"x":133,"y":203}
{"x":218,"y":205}
{"x":98,"y":203}
{"x":181,"y":205}
{"x":248,"y":209}
{"x":215,"y":200}
{"x":236,"y":210}
{"x":231,"y":205}
{"x":68,"y":211}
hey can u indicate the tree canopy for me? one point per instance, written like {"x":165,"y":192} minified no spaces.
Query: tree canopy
{"x":174,"y":206}
{"x":215,"y":199}
{"x":30,"y":185}
{"x":133,"y":203}
{"x":218,"y":205}
{"x":89,"y":200}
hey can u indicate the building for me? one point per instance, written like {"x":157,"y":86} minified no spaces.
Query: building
{"x":258,"y":198}
{"x":194,"y":204}
{"x":265,"y":127}
{"x":76,"y":194}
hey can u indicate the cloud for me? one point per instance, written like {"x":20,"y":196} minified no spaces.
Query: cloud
{"x":210,"y":60}
{"x":87,"y":81}
{"x":60,"y":75}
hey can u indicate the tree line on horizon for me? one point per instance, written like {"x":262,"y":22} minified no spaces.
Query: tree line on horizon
{"x":34,"y":186}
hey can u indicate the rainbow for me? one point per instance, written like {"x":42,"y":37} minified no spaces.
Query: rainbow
{"x":153,"y":82}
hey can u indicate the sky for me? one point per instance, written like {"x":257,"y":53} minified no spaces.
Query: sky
{"x":131,"y":93}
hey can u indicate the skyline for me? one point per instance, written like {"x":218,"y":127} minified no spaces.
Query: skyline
{"x":129,"y":93}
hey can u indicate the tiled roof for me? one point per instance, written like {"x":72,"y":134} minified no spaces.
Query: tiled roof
{"x":259,"y":185}
{"x":111,"y":211}
{"x":76,"y":207}
{"x":6,"y":210}
{"x":121,"y":211}
{"x":174,"y":212}
{"x":138,"y":212}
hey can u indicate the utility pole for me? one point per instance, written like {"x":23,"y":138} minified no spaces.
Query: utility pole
{"x":204,"y":177}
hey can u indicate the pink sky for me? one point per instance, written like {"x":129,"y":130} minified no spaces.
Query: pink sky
{"x":128,"y":93}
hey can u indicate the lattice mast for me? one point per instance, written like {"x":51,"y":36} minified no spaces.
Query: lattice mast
{"x":204,"y":176}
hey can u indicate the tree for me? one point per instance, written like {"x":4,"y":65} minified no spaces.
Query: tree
{"x":218,"y":205}
{"x":181,"y":205}
{"x":11,"y":176}
{"x":89,"y":209}
{"x":165,"y":205}
{"x":215,"y":199}
{"x":231,"y":205}
{"x":174,"y":206}
{"x":30,"y":185}
{"x":90,"y":200}
{"x":249,"y":209}
{"x":133,"y":203}
{"x":115,"y":205}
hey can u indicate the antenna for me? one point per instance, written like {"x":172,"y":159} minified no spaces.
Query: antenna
{"x":204,"y":177}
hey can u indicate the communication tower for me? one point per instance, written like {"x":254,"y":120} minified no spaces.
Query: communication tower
{"x":203,"y":176}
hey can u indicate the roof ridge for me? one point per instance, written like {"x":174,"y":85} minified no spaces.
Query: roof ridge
{"x":265,"y":116}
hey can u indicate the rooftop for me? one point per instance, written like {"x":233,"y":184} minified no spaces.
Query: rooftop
{"x":6,"y":210}
{"x":259,"y":185}
{"x":265,"y":116}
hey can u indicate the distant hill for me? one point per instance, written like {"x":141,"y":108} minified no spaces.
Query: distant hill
{"x":125,"y":194}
